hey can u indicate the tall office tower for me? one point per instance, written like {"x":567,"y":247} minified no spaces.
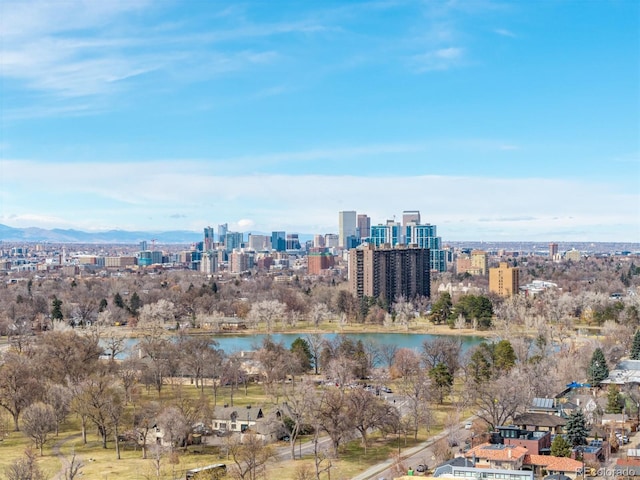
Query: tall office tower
{"x":319,"y":259}
{"x":209,"y":262}
{"x":145,"y":258}
{"x":318,"y":241}
{"x":259,"y":242}
{"x":278,"y":241}
{"x":223,"y":228}
{"x":143,"y":245}
{"x":363,"y":226}
{"x":409,"y":217}
{"x":222,"y":232}
{"x":293,"y":242}
{"x":240,"y":262}
{"x":389,"y":273}
{"x":347,"y":225}
{"x":504,"y":280}
{"x":479,"y":262}
{"x":553,"y":250}
{"x":331,"y":240}
{"x":208,"y":238}
{"x":233,"y":240}
{"x":385,"y":234}
{"x":425,"y":236}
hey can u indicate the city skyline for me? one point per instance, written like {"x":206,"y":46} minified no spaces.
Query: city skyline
{"x":513,"y":121}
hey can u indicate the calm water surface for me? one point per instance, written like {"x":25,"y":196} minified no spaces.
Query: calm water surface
{"x":235,"y":343}
{"x":238,"y":343}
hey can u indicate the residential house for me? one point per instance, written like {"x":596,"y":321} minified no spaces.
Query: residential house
{"x":626,"y":372}
{"x":536,"y":442}
{"x":544,"y":405}
{"x":627,"y":467}
{"x":235,"y":419}
{"x":450,"y":466}
{"x":497,"y":456}
{"x":269,"y":428}
{"x":540,"y":464}
{"x":543,"y":422}
{"x":454,"y":471}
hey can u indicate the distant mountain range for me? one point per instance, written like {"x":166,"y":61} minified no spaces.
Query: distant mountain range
{"x":58,"y":235}
{"x":175,"y":237}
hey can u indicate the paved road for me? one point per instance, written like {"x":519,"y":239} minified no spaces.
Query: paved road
{"x":414,"y":456}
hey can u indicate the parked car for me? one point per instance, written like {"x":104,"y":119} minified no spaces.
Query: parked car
{"x":421,"y":468}
{"x":468,"y":425}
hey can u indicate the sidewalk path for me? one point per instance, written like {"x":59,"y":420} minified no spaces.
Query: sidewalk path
{"x":56,"y":450}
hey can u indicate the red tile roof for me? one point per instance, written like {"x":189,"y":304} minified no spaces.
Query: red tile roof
{"x":553,"y":464}
{"x":488,"y":451}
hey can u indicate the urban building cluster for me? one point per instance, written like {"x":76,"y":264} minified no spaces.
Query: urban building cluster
{"x":388,"y":260}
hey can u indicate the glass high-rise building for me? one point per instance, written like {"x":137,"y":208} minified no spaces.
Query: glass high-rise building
{"x":425,"y":236}
{"x":385,"y":234}
{"x":279,"y":241}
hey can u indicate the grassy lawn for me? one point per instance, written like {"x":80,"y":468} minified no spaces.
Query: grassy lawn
{"x":99,"y":463}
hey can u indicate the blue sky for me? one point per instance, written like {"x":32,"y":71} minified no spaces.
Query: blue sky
{"x":498,"y":120}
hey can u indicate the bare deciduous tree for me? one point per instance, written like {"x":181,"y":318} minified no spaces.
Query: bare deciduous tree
{"x":25,"y":468}
{"x":499,"y":400}
{"x":38,"y":421}
{"x":318,"y":313}
{"x":174,"y":426}
{"x":267,"y":312}
{"x":334,"y":417}
{"x":417,"y":391}
{"x":369,"y":412}
{"x":73,"y":467}
{"x":59,"y":397}
{"x":250,"y":457}
{"x":19,"y":384}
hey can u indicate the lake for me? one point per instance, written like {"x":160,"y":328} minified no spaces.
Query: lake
{"x":238,"y":343}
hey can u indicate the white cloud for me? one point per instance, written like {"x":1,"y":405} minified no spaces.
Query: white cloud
{"x":244,"y":224}
{"x":69,"y":49}
{"x":504,"y":32}
{"x":440,"y":59}
{"x":463,"y":207}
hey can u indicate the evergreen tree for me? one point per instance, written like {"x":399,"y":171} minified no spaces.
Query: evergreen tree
{"x":615,"y":402}
{"x":103,"y":305}
{"x":441,"y":309}
{"x":504,"y":356}
{"x":598,"y":369}
{"x":134,"y":304}
{"x":300,"y":347}
{"x":560,"y":447}
{"x":117,"y":300}
{"x":56,"y":309}
{"x":577,"y":429}
{"x":442,"y":379}
{"x":482,"y":362}
{"x":635,"y":346}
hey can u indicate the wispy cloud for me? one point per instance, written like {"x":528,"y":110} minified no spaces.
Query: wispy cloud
{"x":308,"y":203}
{"x":441,"y":59}
{"x":505,"y":33}
{"x":74,"y":52}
